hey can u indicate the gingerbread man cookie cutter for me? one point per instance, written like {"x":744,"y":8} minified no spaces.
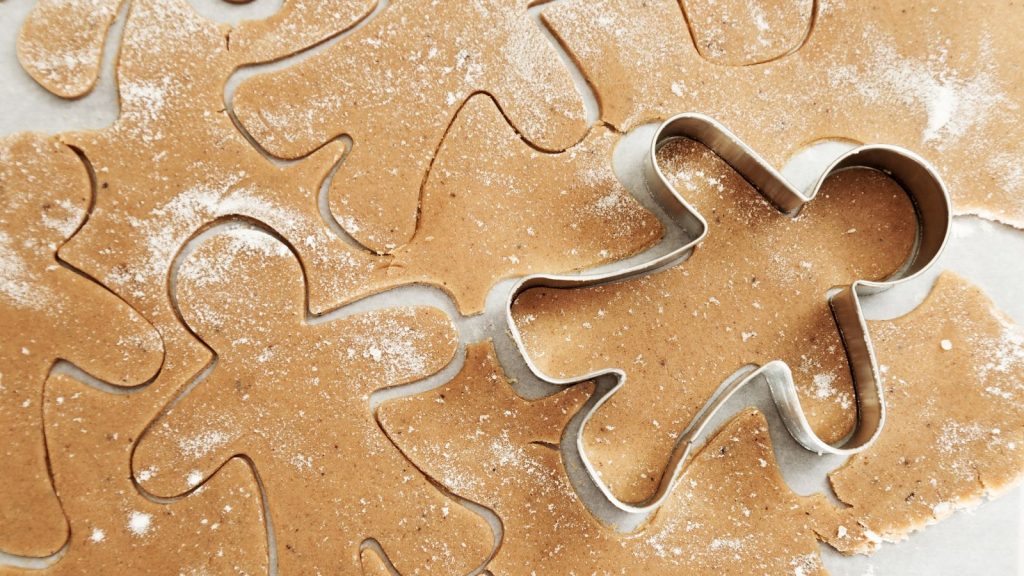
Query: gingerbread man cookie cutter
{"x":934,"y":218}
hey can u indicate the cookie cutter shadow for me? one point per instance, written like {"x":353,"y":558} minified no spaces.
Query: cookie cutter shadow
{"x":934,"y":218}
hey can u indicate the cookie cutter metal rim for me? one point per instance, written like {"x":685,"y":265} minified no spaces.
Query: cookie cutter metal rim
{"x":932,"y":207}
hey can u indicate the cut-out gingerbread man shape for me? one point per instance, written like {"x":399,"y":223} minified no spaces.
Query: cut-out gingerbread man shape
{"x":916,"y":75}
{"x":218,"y":529}
{"x":394,"y":86}
{"x":49,"y":312}
{"x":936,"y":456}
{"x":755,"y":290}
{"x":731,"y":514}
{"x":294,"y":398}
{"x":746,"y":32}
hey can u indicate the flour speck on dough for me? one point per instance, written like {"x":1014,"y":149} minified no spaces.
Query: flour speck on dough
{"x":139,"y":523}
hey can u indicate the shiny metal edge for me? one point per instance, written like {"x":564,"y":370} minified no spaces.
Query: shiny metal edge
{"x":931,"y":202}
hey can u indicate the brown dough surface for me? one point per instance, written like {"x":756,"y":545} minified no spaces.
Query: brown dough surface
{"x":754,"y":291}
{"x":394,"y":86}
{"x":745,"y":32}
{"x":218,"y":529}
{"x":60,"y":44}
{"x":941,"y":79}
{"x":955,"y":428}
{"x":294,"y":398}
{"x":898,"y":89}
{"x":731,"y":514}
{"x":199,"y":169}
{"x":48,"y":313}
{"x":493,"y":207}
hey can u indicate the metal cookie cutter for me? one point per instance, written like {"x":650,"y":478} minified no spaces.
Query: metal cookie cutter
{"x":932,"y":207}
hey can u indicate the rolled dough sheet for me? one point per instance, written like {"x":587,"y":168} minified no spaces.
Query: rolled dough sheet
{"x":394,"y":87}
{"x":217,"y":529}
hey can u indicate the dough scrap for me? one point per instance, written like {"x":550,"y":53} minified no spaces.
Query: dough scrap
{"x":60,"y":44}
{"x":896,"y":72}
{"x":755,"y":290}
{"x":493,"y":208}
{"x":48,"y":313}
{"x":394,"y":86}
{"x":746,"y":32}
{"x":218,"y":529}
{"x":294,"y":398}
{"x":731,"y":514}
{"x":954,"y":433}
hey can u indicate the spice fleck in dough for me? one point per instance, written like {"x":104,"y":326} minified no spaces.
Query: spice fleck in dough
{"x":939,"y":78}
{"x":49,"y":313}
{"x":954,"y":432}
{"x":294,"y":398}
{"x":755,"y":290}
{"x":394,"y":87}
{"x":730,"y":514}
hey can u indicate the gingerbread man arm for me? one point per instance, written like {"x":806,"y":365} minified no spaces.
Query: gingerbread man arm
{"x":126,"y":350}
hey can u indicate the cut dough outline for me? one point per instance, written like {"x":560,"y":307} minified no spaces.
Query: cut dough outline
{"x":98,"y":511}
{"x":938,"y":457}
{"x":54,"y":316}
{"x":245,"y":230}
{"x":513,"y":325}
{"x":73,"y":72}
